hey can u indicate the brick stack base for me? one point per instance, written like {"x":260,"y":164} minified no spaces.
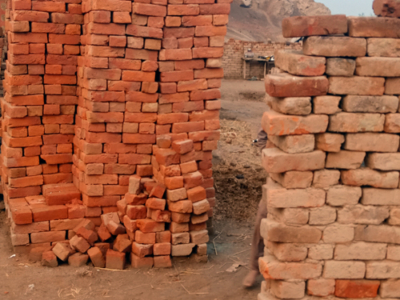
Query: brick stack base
{"x":106,"y":100}
{"x":333,"y":192}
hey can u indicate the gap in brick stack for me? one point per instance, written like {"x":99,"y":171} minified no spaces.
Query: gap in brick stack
{"x":110,"y":116}
{"x":333,"y":160}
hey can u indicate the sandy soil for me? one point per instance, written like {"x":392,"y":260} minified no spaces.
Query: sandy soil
{"x":238,"y":178}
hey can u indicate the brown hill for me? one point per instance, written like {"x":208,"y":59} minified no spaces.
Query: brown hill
{"x":262,"y":21}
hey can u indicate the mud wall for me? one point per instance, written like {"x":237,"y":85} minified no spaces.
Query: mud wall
{"x":234,"y":50}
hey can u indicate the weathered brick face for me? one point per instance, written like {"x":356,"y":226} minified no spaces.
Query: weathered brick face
{"x":333,"y":192}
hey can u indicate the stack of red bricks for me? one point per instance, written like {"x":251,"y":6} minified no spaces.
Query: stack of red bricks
{"x":38,"y":116}
{"x":333,"y":192}
{"x":105,"y":92}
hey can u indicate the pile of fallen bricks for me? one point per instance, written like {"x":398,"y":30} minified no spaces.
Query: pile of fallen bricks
{"x":111,"y":112}
{"x":333,"y":159}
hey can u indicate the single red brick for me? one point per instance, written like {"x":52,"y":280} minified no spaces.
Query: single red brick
{"x":32,"y":16}
{"x":197,"y":21}
{"x":122,"y":243}
{"x":78,"y":260}
{"x":157,"y":22}
{"x":157,"y":191}
{"x":103,"y":233}
{"x":160,"y":215}
{"x":62,"y":251}
{"x":141,"y":262}
{"x":183,"y":146}
{"x":208,"y":52}
{"x":163,"y":237}
{"x":162,"y":261}
{"x":142,"y":250}
{"x":115,"y":260}
{"x":179,"y":32}
{"x":115,"y":228}
{"x":173,"y":21}
{"x":21,"y":214}
{"x":149,"y":9}
{"x":316,"y":25}
{"x":122,"y":17}
{"x":176,"y":76}
{"x":197,"y":194}
{"x":96,"y":257}
{"x":356,"y":288}
{"x":142,"y":31}
{"x":103,"y":247}
{"x":148,"y":226}
{"x":117,"y":41}
{"x":215,"y":9}
{"x":48,"y":7}
{"x":90,"y":236}
{"x":118,"y":6}
{"x":145,"y":238}
{"x":49,"y":259}
{"x":46,"y":213}
{"x":162,"y":249}
{"x":135,"y":212}
{"x":79,"y":244}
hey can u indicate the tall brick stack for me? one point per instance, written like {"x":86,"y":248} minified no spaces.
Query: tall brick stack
{"x":100,"y":93}
{"x":38,"y":115}
{"x":333,"y":192}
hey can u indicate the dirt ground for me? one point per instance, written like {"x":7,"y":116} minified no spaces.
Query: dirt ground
{"x":238,"y":179}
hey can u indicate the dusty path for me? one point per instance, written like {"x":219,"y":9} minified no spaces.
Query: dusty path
{"x":238,"y":178}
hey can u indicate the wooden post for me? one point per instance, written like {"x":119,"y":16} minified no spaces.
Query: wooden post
{"x":244,"y":69}
{"x":265,"y":68}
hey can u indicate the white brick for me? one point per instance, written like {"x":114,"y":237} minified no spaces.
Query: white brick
{"x":290,"y":106}
{"x":378,"y":234}
{"x":321,"y":252}
{"x":383,"y":270}
{"x":342,"y":195}
{"x":345,"y":160}
{"x":277,"y":161}
{"x":288,"y":289}
{"x":360,"y":251}
{"x":294,"y":143}
{"x":326,"y":178}
{"x":279,"y":197}
{"x":361,"y":214}
{"x":337,"y":233}
{"x":390,"y":288}
{"x":371,"y":196}
{"x":340,"y":66}
{"x":327,"y":105}
{"x":393,"y":252}
{"x":322,"y":216}
{"x":271,"y":268}
{"x":288,"y":252}
{"x":384,"y":161}
{"x":321,"y":287}
{"x":371,"y":104}
{"x":293,"y":179}
{"x":372,"y":142}
{"x":19,"y":239}
{"x":394,"y":216}
{"x":356,"y":122}
{"x":329,"y":142}
{"x":277,"y":232}
{"x":290,"y":216}
{"x":344,"y":270}
{"x":369,"y":177}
